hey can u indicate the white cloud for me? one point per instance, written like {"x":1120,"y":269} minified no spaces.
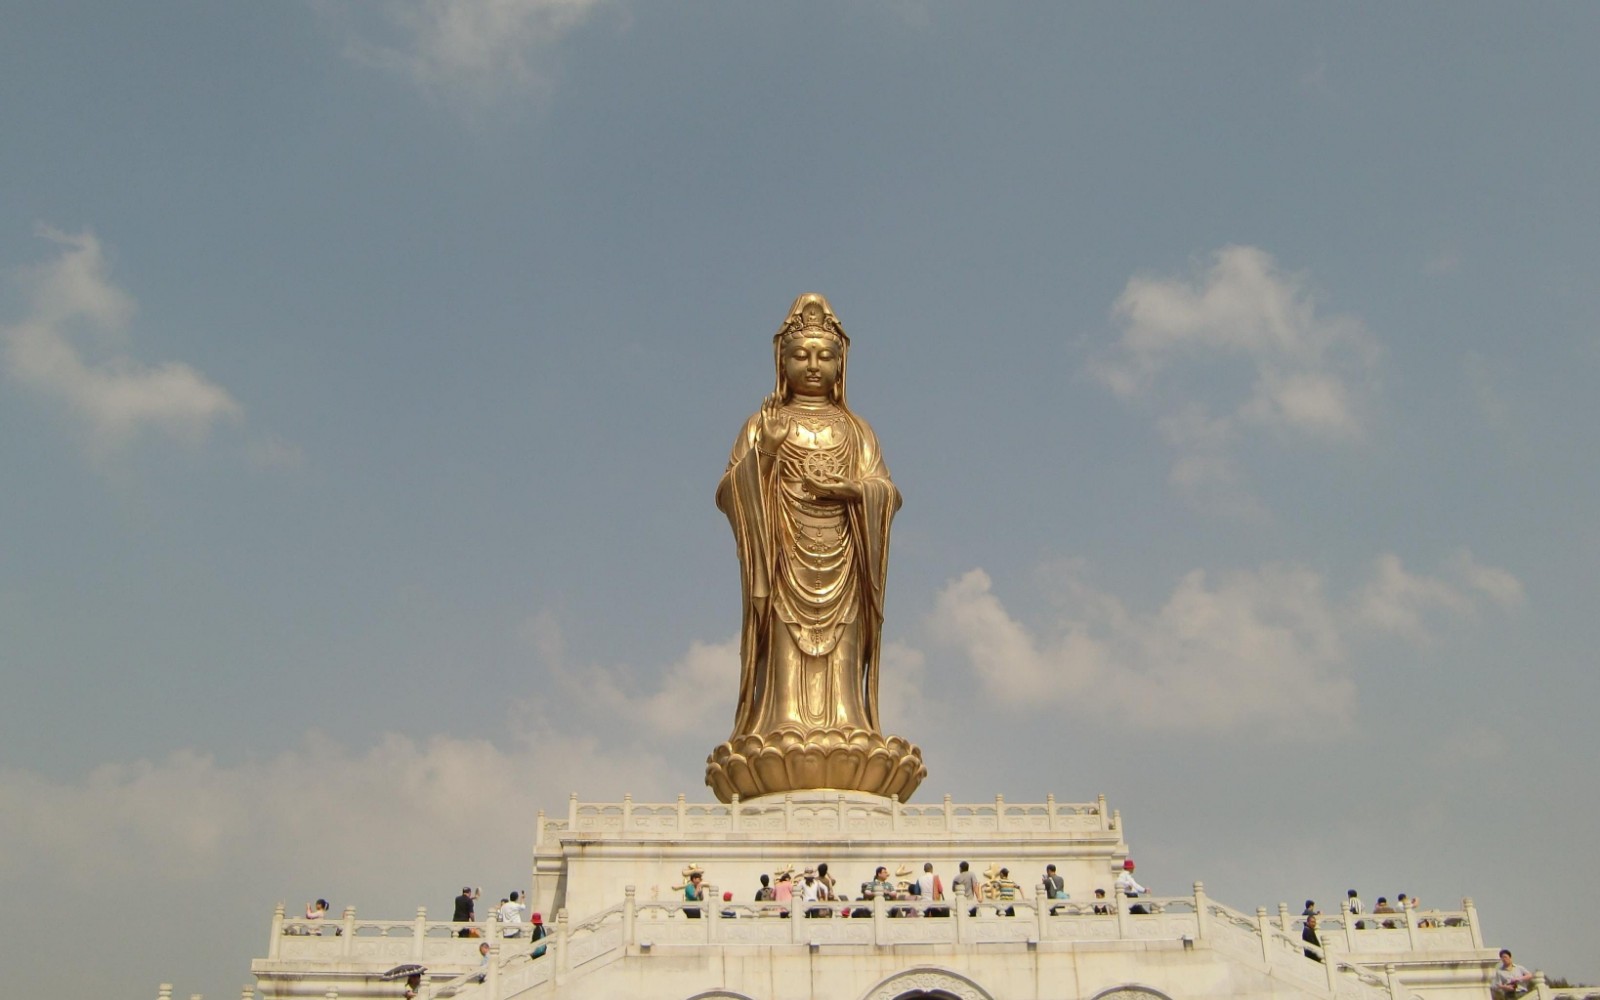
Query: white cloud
{"x":188,"y":817}
{"x":1266,"y":648}
{"x":114,"y":396}
{"x":1308,"y":374}
{"x":1406,"y":604}
{"x":478,"y":48}
{"x":1256,"y":649}
{"x":692,"y":696}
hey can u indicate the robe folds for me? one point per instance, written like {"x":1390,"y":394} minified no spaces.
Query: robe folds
{"x":811,"y":575}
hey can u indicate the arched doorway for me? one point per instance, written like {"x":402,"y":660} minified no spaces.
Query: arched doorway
{"x":927,"y":984}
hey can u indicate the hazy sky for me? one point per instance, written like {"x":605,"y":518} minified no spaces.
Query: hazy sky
{"x":366,"y":371}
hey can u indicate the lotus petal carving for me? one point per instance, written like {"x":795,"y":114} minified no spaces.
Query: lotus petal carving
{"x":840,"y":759}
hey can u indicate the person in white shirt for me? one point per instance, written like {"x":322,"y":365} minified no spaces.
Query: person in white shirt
{"x":1130,"y":887}
{"x":511,"y":914}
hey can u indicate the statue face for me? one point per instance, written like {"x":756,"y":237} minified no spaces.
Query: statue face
{"x":811,"y":366}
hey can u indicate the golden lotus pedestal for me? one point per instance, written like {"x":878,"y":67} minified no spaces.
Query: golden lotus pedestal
{"x":849,"y":760}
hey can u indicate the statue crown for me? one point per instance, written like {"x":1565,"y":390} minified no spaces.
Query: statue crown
{"x":811,"y":316}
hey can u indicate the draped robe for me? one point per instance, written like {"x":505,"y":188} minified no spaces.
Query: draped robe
{"x":811,"y":573}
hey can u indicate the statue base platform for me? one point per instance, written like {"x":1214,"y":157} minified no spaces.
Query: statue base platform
{"x":753,"y":765}
{"x":607,"y":877}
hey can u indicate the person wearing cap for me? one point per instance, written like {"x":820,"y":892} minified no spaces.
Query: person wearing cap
{"x":1006,"y":891}
{"x":813,"y":890}
{"x":1130,"y":886}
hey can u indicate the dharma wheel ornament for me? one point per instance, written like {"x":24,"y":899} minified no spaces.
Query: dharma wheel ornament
{"x":810,"y":502}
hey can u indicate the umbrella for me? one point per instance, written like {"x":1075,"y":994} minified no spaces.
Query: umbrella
{"x":405,"y":971}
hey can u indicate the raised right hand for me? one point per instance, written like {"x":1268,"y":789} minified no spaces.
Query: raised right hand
{"x":774,"y":429}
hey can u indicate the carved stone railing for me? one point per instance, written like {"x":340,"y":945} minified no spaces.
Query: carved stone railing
{"x":420,"y":940}
{"x":1542,"y":990}
{"x":655,"y":927}
{"x":848,"y":814}
{"x":1393,"y":933}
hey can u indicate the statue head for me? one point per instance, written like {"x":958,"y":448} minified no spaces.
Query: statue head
{"x":812,"y":324}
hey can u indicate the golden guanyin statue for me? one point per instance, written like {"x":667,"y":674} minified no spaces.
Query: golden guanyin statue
{"x":810,"y":502}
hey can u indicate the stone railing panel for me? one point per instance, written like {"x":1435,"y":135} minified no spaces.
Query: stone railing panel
{"x":814,"y":816}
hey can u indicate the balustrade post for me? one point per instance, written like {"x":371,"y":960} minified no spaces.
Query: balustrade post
{"x":1050,"y":811}
{"x":1411,"y":926}
{"x":797,"y":933}
{"x":348,"y":930}
{"x":1201,"y":917}
{"x":1395,"y":992}
{"x":714,"y":916}
{"x":164,"y":991}
{"x":275,"y":943}
{"x":1100,"y":801}
{"x":538,"y":830}
{"x":1283,"y":918}
{"x":1116,"y":819}
{"x":630,"y":916}
{"x":572,"y":813}
{"x":683,"y":815}
{"x":1264,"y":928}
{"x":1041,"y":909}
{"x":1349,"y":926}
{"x":492,"y":927}
{"x":1330,"y":968}
{"x":1122,"y":911}
{"x":733,"y":813}
{"x":419,"y":935}
{"x":958,"y":892}
{"x":999,"y":812}
{"x":880,"y":920}
{"x":949,"y":814}
{"x":843,"y":826}
{"x":491,"y":979}
{"x":563,"y":953}
{"x":248,"y":993}
{"x":627,"y":811}
{"x":788,"y":811}
{"x":1540,"y":986}
{"x":894,"y":812}
{"x":1472,"y":922}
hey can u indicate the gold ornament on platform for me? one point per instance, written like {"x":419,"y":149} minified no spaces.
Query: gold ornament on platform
{"x":810,"y":502}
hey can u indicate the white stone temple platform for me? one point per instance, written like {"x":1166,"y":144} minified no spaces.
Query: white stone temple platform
{"x":604,"y":875}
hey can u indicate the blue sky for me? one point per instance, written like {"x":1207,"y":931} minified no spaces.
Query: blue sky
{"x":366,"y":371}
